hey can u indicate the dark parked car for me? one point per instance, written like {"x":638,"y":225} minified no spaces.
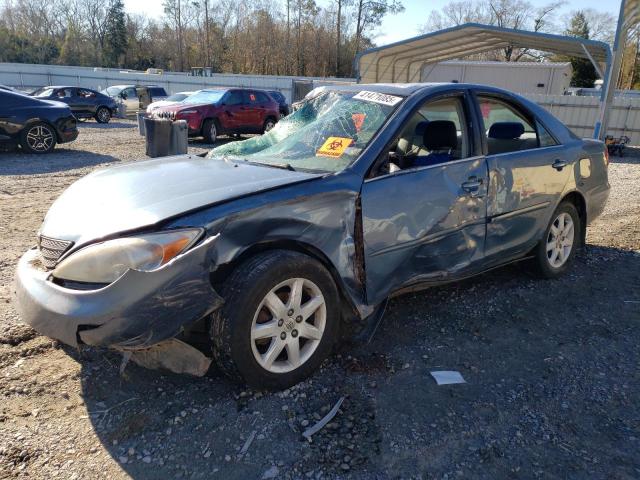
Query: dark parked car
{"x":213,"y":112}
{"x":282,"y":243}
{"x":282,"y":102}
{"x":84,"y":102}
{"x":37,"y":125}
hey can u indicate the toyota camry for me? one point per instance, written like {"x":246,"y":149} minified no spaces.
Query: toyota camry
{"x":283,"y":244}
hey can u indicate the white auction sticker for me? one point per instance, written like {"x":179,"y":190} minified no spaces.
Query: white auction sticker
{"x":376,"y":97}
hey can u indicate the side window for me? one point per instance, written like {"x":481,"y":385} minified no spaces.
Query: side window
{"x":65,"y":93}
{"x":234,"y":98}
{"x":86,"y":93}
{"x":435,"y":134}
{"x":544,"y":137}
{"x":129,"y":93}
{"x":261,"y":97}
{"x":506,"y":128}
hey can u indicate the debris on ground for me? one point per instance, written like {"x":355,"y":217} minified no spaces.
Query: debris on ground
{"x":309,"y":432}
{"x":447,"y":377}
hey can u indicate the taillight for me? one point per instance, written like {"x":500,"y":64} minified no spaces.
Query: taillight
{"x":606,"y":157}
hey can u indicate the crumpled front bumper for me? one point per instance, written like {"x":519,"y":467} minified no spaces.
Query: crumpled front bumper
{"x":136,"y":311}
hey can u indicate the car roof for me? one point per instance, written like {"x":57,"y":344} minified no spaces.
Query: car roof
{"x":404,"y":89}
{"x":68,"y":86}
{"x":134,"y":86}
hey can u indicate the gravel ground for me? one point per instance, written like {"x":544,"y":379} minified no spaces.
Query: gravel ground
{"x":552,"y":371}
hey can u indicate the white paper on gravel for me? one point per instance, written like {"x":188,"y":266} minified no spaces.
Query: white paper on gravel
{"x":447,"y":377}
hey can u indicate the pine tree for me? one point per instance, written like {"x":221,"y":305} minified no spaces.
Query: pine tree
{"x":116,"y":35}
{"x":584,"y":73}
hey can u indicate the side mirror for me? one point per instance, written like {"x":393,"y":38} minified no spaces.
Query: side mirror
{"x":123,"y":96}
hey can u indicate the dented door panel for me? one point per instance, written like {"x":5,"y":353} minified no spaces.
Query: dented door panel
{"x":423,"y":225}
{"x":524,"y":189}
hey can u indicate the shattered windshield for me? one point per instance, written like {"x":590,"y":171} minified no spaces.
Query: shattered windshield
{"x":327,"y":133}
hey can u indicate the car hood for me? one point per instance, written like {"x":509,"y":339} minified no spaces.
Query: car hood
{"x":160,"y":103}
{"x":141,"y":194}
{"x":177,"y":106}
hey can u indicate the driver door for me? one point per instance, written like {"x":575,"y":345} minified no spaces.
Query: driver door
{"x":426,"y":221}
{"x":233,"y":117}
{"x":131,"y":100}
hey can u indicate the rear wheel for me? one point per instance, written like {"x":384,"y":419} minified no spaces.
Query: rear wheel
{"x":269,"y":123}
{"x":210,"y":131}
{"x":279,"y":321}
{"x":103,"y":115}
{"x":557,"y":250}
{"x":38,"y":138}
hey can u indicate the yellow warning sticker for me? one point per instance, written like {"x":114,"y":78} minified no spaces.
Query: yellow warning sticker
{"x":334,"y":147}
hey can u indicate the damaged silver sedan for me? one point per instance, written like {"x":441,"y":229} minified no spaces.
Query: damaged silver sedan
{"x":277,"y":246}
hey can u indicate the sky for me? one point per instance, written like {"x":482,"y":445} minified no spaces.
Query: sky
{"x":404,"y":25}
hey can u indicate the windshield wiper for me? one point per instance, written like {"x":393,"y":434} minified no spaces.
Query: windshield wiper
{"x":283,"y":166}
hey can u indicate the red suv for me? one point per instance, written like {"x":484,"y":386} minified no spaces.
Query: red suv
{"x":213,"y":112}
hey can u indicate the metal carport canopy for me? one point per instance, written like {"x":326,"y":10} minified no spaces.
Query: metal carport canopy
{"x":403,"y":61}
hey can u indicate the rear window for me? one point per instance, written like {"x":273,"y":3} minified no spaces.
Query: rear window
{"x":157,"y":92}
{"x":261,"y":97}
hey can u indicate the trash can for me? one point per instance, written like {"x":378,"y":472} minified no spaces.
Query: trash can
{"x":179,"y":138}
{"x":158,"y":136}
{"x":141,"y":116}
{"x":122,"y":110}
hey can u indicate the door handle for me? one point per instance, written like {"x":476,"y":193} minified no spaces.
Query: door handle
{"x":559,"y":164}
{"x":472,"y":185}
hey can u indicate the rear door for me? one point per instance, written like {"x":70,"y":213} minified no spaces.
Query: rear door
{"x":424,"y":212}
{"x":254,"y":110}
{"x":528,"y":171}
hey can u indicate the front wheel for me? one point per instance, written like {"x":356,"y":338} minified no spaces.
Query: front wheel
{"x":556,"y":251}
{"x":210,"y":131}
{"x":38,"y":138}
{"x":103,"y":115}
{"x":279,"y":321}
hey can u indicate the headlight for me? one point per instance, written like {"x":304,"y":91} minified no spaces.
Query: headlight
{"x":106,"y":262}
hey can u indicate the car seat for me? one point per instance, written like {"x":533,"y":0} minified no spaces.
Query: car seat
{"x":506,"y":137}
{"x":410,"y":146}
{"x":440,"y":140}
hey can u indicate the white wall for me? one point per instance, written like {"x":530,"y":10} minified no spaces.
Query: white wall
{"x":519,"y":77}
{"x":31,"y":76}
{"x":581,"y":113}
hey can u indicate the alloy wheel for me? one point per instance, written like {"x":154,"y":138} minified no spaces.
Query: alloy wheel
{"x":103,"y":115}
{"x":269,"y":125}
{"x":560,"y":240}
{"x":40,"y":138}
{"x":288,"y":325}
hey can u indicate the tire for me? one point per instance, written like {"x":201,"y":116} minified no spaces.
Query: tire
{"x":246,"y":292}
{"x":103,"y":115}
{"x":210,"y":131}
{"x":269,"y":123}
{"x":38,"y":138}
{"x":557,"y":249}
